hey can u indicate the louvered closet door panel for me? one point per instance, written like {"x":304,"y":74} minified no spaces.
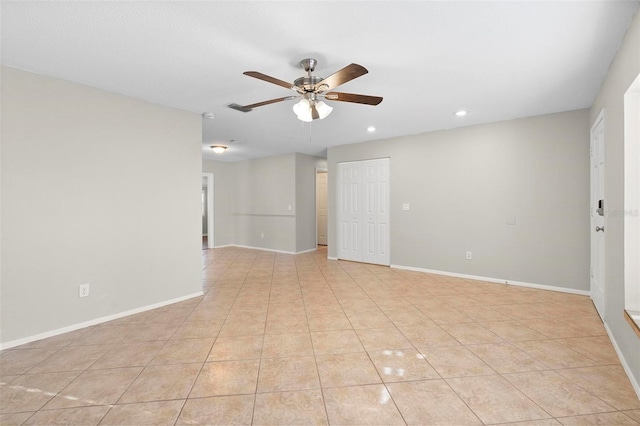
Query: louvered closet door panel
{"x":350,"y":211}
{"x":376,"y":215}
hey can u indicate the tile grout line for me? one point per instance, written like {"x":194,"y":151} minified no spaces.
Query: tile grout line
{"x":255,"y":393}
{"x":313,"y":348}
{"x":382,"y":382}
{"x":197,"y":376}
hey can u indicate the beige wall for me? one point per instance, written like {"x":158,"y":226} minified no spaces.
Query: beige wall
{"x":462,"y":186}
{"x":265,"y":189}
{"x":96,"y":188}
{"x":224,"y":178}
{"x":624,"y":69}
{"x":252,"y":198}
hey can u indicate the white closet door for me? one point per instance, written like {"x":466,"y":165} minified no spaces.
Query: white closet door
{"x":363,"y":211}
{"x":350,"y":211}
{"x":376,"y":214}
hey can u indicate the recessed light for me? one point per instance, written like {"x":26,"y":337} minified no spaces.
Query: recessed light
{"x":461,"y":113}
{"x":218,"y":149}
{"x":208,"y":115}
{"x":371,"y":129}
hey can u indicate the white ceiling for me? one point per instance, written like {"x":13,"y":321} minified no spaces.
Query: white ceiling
{"x":498,"y":60}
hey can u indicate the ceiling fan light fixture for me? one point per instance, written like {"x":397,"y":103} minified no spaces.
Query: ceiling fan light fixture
{"x":218,"y":149}
{"x":306,"y":117}
{"x":303,"y":110}
{"x":323,"y":109}
{"x":301,"y":107}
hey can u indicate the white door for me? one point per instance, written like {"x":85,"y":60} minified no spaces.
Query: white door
{"x":350,"y":211}
{"x":376,"y":214}
{"x":321,"y":207}
{"x":363,"y":211}
{"x":597,"y":215}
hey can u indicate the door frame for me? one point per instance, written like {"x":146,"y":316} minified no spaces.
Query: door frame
{"x":600,"y":120}
{"x":632,"y":197}
{"x":210,"y":221}
{"x":315,"y":201}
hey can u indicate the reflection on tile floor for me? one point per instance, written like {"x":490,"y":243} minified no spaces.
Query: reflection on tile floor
{"x":281,"y":339}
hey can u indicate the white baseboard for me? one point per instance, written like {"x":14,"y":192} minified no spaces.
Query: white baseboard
{"x":267,"y":249}
{"x":331,"y":258}
{"x":623,"y":361}
{"x":307,"y":251}
{"x":263,"y":249}
{"x":40,"y":336}
{"x":272,"y":250}
{"x":495,"y":280}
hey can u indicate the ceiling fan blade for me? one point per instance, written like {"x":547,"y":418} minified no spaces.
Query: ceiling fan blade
{"x":314,"y":111}
{"x":352,"y":97}
{"x":271,"y":101}
{"x":269,"y":79}
{"x":347,"y":73}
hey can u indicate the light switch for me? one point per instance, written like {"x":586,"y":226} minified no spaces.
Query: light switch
{"x":406,"y":207}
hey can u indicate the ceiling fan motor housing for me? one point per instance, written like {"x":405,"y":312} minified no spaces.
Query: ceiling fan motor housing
{"x":308,"y":82}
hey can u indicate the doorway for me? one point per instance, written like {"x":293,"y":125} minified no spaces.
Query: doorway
{"x":598,"y":211}
{"x":208,"y":239}
{"x":321,"y":206}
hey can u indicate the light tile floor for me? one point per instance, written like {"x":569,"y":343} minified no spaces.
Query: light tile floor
{"x":280,"y":339}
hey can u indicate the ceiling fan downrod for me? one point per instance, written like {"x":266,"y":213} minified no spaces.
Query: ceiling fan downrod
{"x":308,"y":82}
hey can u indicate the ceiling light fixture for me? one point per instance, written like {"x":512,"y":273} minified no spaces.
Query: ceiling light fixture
{"x":304,"y":111}
{"x":218,"y":149}
{"x":461,"y":113}
{"x":371,"y":129}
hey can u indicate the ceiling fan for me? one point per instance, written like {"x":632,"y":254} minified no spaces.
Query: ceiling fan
{"x":312,"y":89}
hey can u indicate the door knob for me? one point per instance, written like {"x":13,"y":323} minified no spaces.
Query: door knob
{"x":600,"y":229}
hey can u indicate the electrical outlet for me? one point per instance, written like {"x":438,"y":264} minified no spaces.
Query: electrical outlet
{"x":83,"y":290}
{"x":469,"y":255}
